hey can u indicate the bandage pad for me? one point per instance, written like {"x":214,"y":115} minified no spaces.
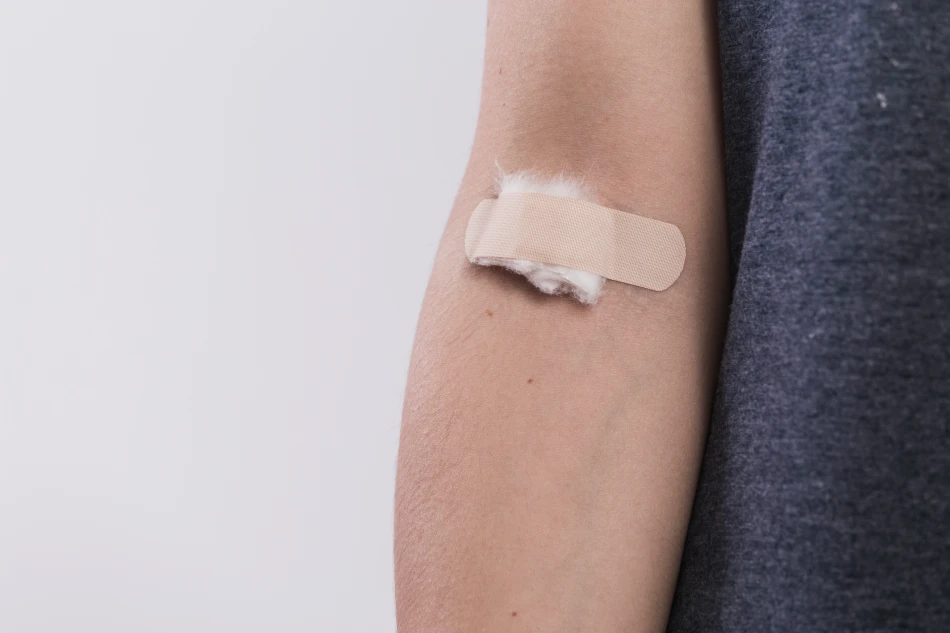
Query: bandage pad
{"x":617,"y":245}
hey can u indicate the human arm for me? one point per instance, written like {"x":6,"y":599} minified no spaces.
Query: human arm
{"x":549,"y":450}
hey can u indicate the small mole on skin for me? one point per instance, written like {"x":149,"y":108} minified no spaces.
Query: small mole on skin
{"x":489,"y":313}
{"x":514,"y":613}
{"x":499,"y":70}
{"x":530,"y":380}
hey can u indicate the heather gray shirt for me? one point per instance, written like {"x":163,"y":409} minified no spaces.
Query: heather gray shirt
{"x":823,"y":498}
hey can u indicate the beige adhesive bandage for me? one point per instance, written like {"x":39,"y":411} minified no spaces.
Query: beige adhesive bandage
{"x":577,"y":234}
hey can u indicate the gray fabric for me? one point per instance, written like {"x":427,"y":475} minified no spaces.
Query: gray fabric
{"x":823,"y":499}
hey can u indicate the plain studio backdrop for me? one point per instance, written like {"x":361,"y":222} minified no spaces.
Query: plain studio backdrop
{"x":217,"y":219}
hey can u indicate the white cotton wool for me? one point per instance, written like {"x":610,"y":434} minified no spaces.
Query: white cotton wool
{"x":548,"y":278}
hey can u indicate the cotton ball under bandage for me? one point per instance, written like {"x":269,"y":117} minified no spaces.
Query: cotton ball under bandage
{"x":554,"y":234}
{"x":548,"y":278}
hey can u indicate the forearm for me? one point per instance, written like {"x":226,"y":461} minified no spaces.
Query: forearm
{"x":550,"y":450}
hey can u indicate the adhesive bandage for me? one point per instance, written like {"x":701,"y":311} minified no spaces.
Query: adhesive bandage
{"x":566,"y":244}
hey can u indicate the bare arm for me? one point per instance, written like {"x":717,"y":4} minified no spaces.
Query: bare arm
{"x":549,"y":450}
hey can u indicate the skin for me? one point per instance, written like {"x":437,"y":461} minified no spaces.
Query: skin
{"x":549,"y":450}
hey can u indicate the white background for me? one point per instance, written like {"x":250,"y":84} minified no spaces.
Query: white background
{"x":217,"y":218}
